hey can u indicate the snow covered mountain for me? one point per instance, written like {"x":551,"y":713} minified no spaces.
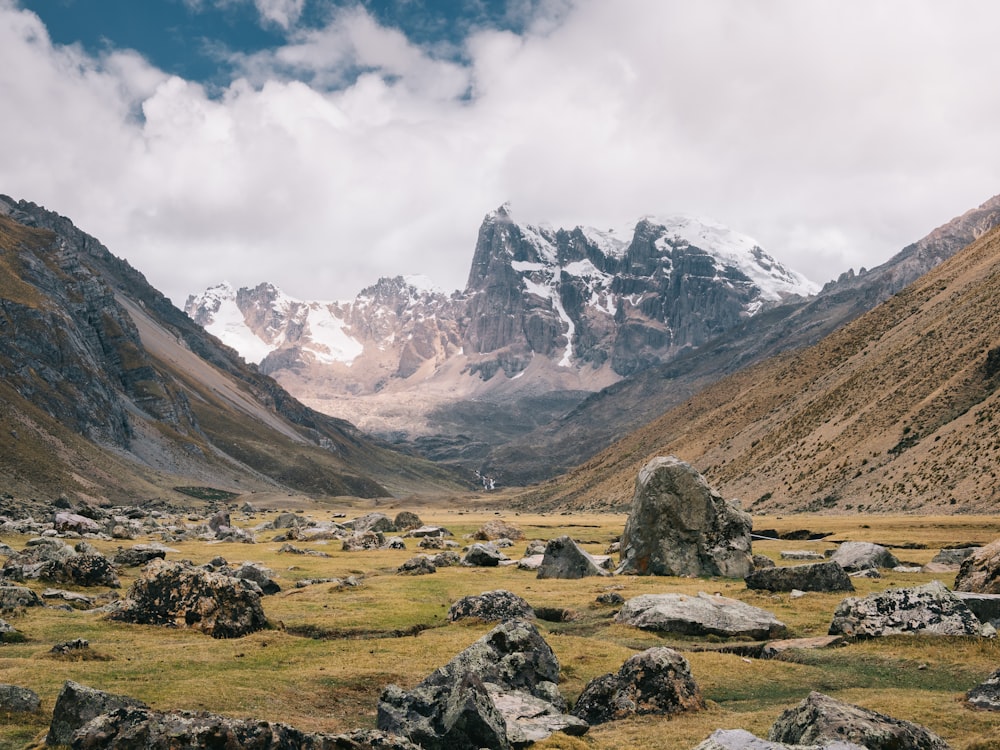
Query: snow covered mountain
{"x":574,"y":310}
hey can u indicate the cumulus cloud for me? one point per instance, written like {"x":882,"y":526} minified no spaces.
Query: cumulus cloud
{"x":833,"y":132}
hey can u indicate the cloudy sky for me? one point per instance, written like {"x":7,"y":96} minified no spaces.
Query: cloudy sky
{"x":320,"y":144}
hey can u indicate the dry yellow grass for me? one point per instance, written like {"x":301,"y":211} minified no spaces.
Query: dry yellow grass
{"x":331,"y":682}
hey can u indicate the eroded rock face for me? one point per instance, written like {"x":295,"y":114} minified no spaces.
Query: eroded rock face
{"x":980,"y":571}
{"x":496,"y":605}
{"x":78,"y":704}
{"x":930,"y":609}
{"x":679,"y":526}
{"x":820,"y":718}
{"x":699,"y":615}
{"x":824,"y":576}
{"x":656,"y":681}
{"x":181,"y":595}
{"x":855,"y":556}
{"x":564,"y":558}
{"x":138,"y":727}
{"x":481,"y":697}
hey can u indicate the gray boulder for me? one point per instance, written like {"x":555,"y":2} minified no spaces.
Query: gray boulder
{"x":820,"y":718}
{"x":655,"y":681}
{"x":498,"y":529}
{"x":854,"y":556}
{"x":986,"y":695}
{"x":181,"y":595}
{"x":137,"y":556}
{"x":496,"y":605}
{"x":417,"y":566}
{"x":55,"y":561}
{"x":130,"y":728}
{"x":446,"y":559}
{"x":954,"y":555}
{"x":461,"y":705}
{"x":980,"y":571}
{"x":372,"y":522}
{"x":986,"y":607}
{"x":406,"y":520}
{"x":679,"y":526}
{"x":699,"y":615}
{"x":262,"y":576}
{"x":930,"y":609}
{"x":740,"y":739}
{"x":16,"y":597}
{"x":364,"y":540}
{"x":78,"y":704}
{"x":824,"y":576}
{"x":483,"y":556}
{"x":17,"y":699}
{"x":65,"y":521}
{"x":564,"y":558}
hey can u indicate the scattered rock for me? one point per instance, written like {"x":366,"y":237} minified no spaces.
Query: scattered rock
{"x":564,"y":558}
{"x":820,"y":718}
{"x":8,"y":634}
{"x":866,"y":573}
{"x":137,"y":556}
{"x":986,"y":607}
{"x":480,"y":698}
{"x":406,"y":520}
{"x":181,"y":595}
{"x":16,"y":699}
{"x":930,"y":609}
{"x":483,"y":556}
{"x":140,"y":727}
{"x":699,"y":615}
{"x":16,"y":597}
{"x":655,"y":681}
{"x":498,"y":529}
{"x":800,"y":554}
{"x":263,"y":577}
{"x":854,"y":556}
{"x":535,"y":547}
{"x":824,"y":576}
{"x":446,"y":559}
{"x":395,"y":542}
{"x":980,"y":571}
{"x":73,"y":598}
{"x":679,"y":526}
{"x":371,"y":522}
{"x":437,"y":542}
{"x":760,"y":562}
{"x":76,"y":705}
{"x":496,"y":605}
{"x":954,"y":555}
{"x":417,"y":566}
{"x":531,"y":562}
{"x":291,"y":549}
{"x":288,"y":521}
{"x":69,"y":647}
{"x":611,"y":597}
{"x":986,"y":695}
{"x":775,"y":649}
{"x":741,"y":739}
{"x":365,"y":540}
{"x":65,"y":521}
{"x":426,"y":531}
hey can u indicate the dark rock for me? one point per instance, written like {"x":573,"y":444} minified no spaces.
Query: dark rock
{"x":69,"y":647}
{"x":656,"y":681}
{"x":394,"y":542}
{"x":699,"y":615}
{"x":929,"y":610}
{"x":483,"y":556}
{"x":81,"y":570}
{"x":220,"y":520}
{"x":406,"y":520}
{"x":137,"y":556}
{"x":954,"y":555}
{"x":181,"y":595}
{"x":820,"y":718}
{"x":366,"y":540}
{"x":16,"y":699}
{"x":986,"y":695}
{"x":854,"y":556}
{"x":679,"y":526}
{"x":263,"y":577}
{"x":762,"y":561}
{"x":133,"y":728}
{"x":611,"y":597}
{"x":417,"y":566}
{"x":564,"y":558}
{"x":824,"y":576}
{"x":980,"y":571}
{"x":986,"y":607}
{"x":496,"y":605}
{"x":446,"y":559}
{"x":16,"y":597}
{"x":76,"y":705}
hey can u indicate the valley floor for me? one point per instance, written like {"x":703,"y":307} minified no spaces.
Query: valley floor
{"x":333,"y":649}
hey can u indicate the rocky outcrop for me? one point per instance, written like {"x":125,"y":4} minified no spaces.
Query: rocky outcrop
{"x":496,"y":605}
{"x":78,"y":704}
{"x":855,"y":556}
{"x":825,"y":576}
{"x":180,"y":595}
{"x":986,"y":695}
{"x":679,"y":526}
{"x":655,"y":681}
{"x":564,"y":558}
{"x":822,"y":719}
{"x":500,"y":692}
{"x":980,"y":571}
{"x":928,"y":610}
{"x":55,"y":561}
{"x":699,"y":615}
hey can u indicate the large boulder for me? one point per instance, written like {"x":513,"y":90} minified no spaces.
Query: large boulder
{"x":417,"y":566}
{"x":564,"y":558}
{"x":371,"y":522}
{"x":138,"y":555}
{"x":181,"y":595}
{"x":699,"y":615}
{"x":655,"y":681}
{"x":930,"y":609}
{"x":741,"y":739}
{"x":986,"y":695}
{"x":481,"y":555}
{"x":55,"y":561}
{"x":854,"y":556}
{"x":65,"y":521}
{"x":139,"y":727}
{"x":820,"y":718}
{"x":824,"y":576}
{"x":496,"y":605}
{"x":15,"y":597}
{"x":500,"y":692}
{"x":78,"y":704}
{"x":17,"y":699}
{"x":406,"y":520}
{"x":498,"y":529}
{"x":679,"y":526}
{"x":980,"y":571}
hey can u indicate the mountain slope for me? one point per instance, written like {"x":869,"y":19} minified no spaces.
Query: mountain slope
{"x":896,"y":411}
{"x":625,"y":406}
{"x":128,"y":394}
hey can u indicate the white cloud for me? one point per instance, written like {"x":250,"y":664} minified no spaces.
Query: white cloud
{"x":833,"y":132}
